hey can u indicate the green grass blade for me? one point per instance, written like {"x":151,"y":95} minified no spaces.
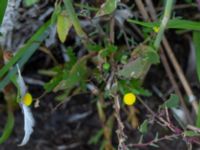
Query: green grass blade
{"x":31,"y":44}
{"x":196,"y":39}
{"x":8,"y":127}
{"x":172,"y":24}
{"x":198,"y":118}
{"x":3,"y":5}
{"x":24,"y":54}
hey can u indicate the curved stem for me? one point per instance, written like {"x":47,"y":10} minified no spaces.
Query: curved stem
{"x":167,"y":14}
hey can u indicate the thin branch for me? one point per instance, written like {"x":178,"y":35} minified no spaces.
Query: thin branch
{"x":167,"y":137}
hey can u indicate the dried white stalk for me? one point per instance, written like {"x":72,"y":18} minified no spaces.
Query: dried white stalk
{"x":29,"y":121}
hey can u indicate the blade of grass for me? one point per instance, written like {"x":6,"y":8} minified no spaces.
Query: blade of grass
{"x":31,"y":45}
{"x":24,"y":54}
{"x":3,"y":5}
{"x":8,"y":127}
{"x":198,"y":118}
{"x":196,"y":39}
{"x":172,"y":24}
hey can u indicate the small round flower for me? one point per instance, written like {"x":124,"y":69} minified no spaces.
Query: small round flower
{"x":27,"y":99}
{"x":129,"y":99}
{"x":156,"y":29}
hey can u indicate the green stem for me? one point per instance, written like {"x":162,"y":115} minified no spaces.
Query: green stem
{"x":167,"y":14}
{"x":8,"y":127}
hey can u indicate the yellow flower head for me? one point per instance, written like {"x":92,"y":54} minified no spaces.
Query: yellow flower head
{"x":129,"y":99}
{"x":156,"y":29}
{"x":27,"y":99}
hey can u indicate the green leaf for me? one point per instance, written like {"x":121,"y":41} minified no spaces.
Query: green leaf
{"x":93,"y":47}
{"x":172,"y":24}
{"x":134,"y":86}
{"x":63,"y":26}
{"x":8,"y":127}
{"x":77,"y":74}
{"x":190,"y":133}
{"x":196,"y":39}
{"x":198,"y":118}
{"x":30,"y":2}
{"x":23,"y":54}
{"x":71,"y":55}
{"x":144,"y":127}
{"x":74,"y":19}
{"x":56,"y":12}
{"x":108,"y":50}
{"x":61,"y":72}
{"x":3,"y":6}
{"x":152,"y":56}
{"x":96,"y":138}
{"x":107,"y":8}
{"x":135,"y":69}
{"x":53,"y":82}
{"x":142,"y":59}
{"x":103,"y":145}
{"x":172,"y":102}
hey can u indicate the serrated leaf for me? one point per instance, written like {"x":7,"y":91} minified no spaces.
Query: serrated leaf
{"x":77,"y":73}
{"x":63,"y":26}
{"x":53,"y":82}
{"x":61,"y":72}
{"x":70,"y":53}
{"x":107,"y":8}
{"x":172,"y":102}
{"x":144,"y":127}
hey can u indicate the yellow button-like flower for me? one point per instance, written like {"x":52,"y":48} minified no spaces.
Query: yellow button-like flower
{"x":27,"y":99}
{"x":129,"y":99}
{"x":156,"y":29}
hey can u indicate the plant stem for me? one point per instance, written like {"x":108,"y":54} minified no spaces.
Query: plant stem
{"x":177,"y":67}
{"x":167,"y":14}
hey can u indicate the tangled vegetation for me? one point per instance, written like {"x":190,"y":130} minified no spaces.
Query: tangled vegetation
{"x":132,"y":66}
